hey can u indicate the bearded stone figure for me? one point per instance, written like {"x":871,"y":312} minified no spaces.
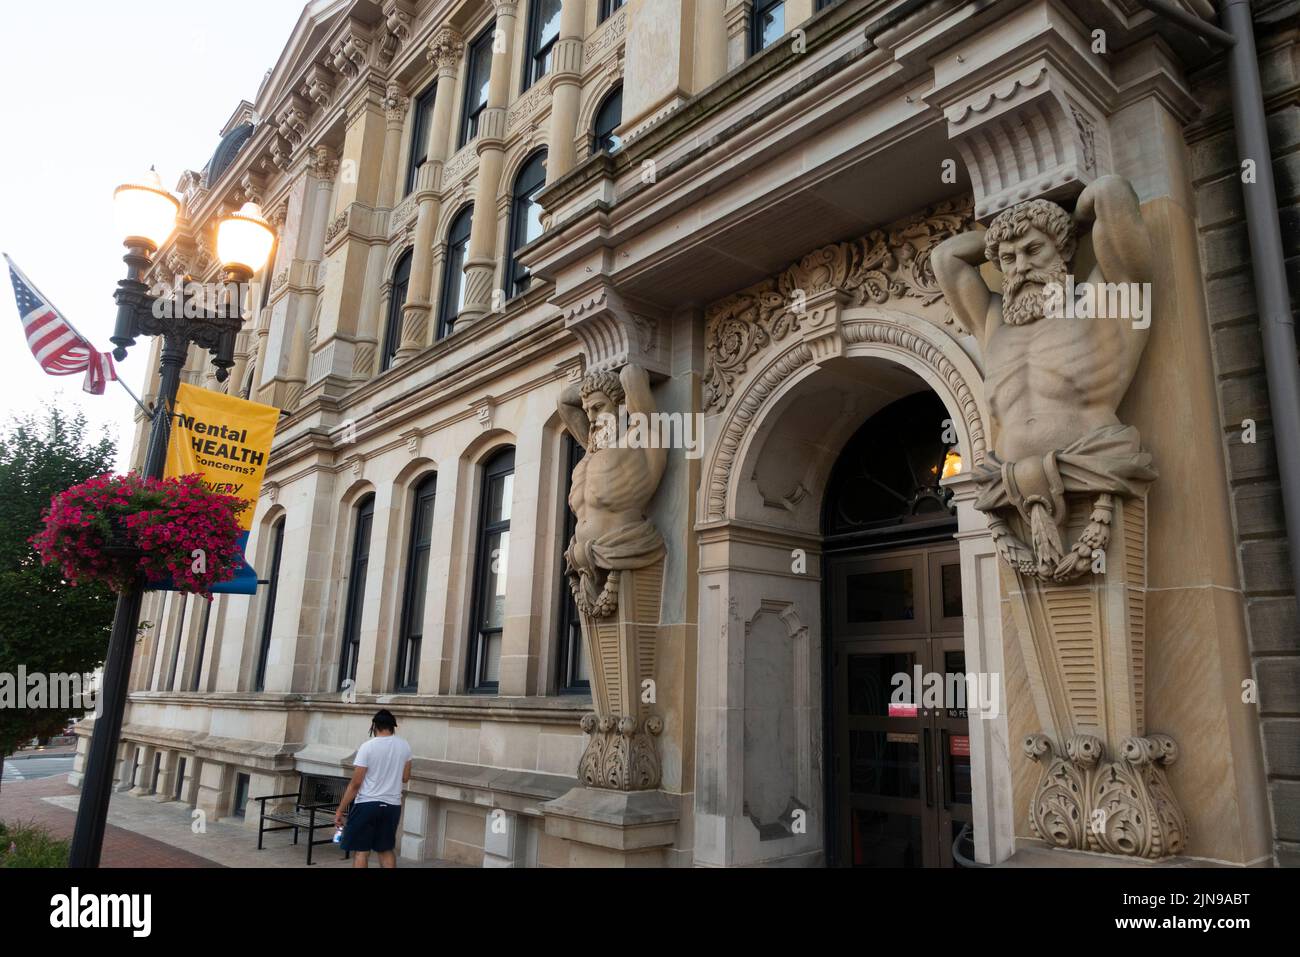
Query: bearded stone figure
{"x":615,"y":568}
{"x":1062,"y":466}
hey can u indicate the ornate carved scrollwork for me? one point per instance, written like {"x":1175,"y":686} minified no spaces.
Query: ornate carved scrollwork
{"x":889,"y":263}
{"x":621,"y":754}
{"x":1124,"y":806}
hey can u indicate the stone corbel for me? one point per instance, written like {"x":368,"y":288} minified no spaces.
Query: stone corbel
{"x":821,"y":324}
{"x":319,"y":85}
{"x":615,"y":331}
{"x":399,"y":18}
{"x":1027,"y":134}
{"x":485,"y":411}
{"x":350,"y":51}
{"x":291,"y":119}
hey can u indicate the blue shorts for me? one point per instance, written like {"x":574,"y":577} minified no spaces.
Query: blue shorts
{"x":371,"y":826}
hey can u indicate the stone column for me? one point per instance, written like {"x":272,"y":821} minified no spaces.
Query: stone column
{"x":445,"y":52}
{"x":480,"y":264}
{"x":323,"y":166}
{"x":167,"y":776}
{"x":144,"y":772}
{"x":566,"y":90}
{"x":396,"y":103}
{"x":710,"y":43}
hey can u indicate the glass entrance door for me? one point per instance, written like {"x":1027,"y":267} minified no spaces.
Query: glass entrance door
{"x":902,"y":754}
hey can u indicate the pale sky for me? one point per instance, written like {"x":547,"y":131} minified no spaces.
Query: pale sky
{"x":95,"y":93}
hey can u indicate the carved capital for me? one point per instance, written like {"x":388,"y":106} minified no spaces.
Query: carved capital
{"x":395,"y":103}
{"x":323,"y":163}
{"x":446,"y":49}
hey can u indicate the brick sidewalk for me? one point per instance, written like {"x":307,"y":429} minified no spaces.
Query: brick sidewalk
{"x":24,"y":801}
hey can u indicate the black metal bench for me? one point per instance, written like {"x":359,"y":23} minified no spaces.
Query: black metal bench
{"x":314,"y":805}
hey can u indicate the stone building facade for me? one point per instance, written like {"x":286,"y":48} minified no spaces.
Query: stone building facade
{"x":487,"y":206}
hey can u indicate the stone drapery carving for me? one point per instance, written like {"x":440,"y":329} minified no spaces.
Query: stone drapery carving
{"x":888,"y":263}
{"x":615,"y":564}
{"x":1065,"y":467}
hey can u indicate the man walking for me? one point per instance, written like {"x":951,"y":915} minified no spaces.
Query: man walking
{"x":383,"y":766}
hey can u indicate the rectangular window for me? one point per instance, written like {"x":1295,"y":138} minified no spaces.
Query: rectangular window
{"x":543,"y":31}
{"x":356,"y":591}
{"x":417,"y":581}
{"x":268,"y":616}
{"x":823,"y":4}
{"x":493,"y":558}
{"x":768,"y":24}
{"x":241,"y":795}
{"x":422,"y":123}
{"x":478,"y":74}
{"x":572,"y":677}
{"x":607,"y":8}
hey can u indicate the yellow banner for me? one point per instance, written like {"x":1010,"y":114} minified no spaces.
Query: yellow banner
{"x":225,"y":439}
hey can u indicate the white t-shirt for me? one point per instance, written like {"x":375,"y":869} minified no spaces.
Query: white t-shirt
{"x":384,"y":757}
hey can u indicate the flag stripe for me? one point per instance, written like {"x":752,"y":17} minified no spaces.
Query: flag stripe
{"x":52,"y":340}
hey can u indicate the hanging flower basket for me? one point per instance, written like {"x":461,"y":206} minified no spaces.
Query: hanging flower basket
{"x":114,"y":527}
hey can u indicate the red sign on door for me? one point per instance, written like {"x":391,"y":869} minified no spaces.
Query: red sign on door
{"x":959,"y":746}
{"x":899,"y":710}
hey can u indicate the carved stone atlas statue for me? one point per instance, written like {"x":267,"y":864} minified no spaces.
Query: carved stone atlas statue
{"x":1064,"y":465}
{"x":615,"y":568}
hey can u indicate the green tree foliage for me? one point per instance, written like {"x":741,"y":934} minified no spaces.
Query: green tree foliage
{"x":45,"y":625}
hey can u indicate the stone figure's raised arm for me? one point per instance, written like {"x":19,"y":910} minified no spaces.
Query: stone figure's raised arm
{"x":639,"y":398}
{"x":956,"y":262}
{"x":573,"y":415}
{"x":1120,"y":239}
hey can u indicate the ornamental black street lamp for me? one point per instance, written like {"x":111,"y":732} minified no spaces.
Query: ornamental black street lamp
{"x":146,"y":215}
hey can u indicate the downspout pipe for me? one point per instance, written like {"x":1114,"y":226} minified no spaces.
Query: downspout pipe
{"x":1272,"y":297}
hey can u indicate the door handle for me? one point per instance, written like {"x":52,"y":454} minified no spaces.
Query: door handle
{"x":938,"y":768}
{"x":925,"y":757}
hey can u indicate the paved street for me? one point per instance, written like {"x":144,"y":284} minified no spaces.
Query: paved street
{"x":36,"y":766}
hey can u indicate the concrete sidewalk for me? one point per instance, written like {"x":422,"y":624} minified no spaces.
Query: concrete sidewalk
{"x":142,"y":832}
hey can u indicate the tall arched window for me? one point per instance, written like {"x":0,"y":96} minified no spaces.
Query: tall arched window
{"x":417,"y":582}
{"x":608,"y":118}
{"x":358,"y":567}
{"x":422,"y":123}
{"x":571,"y":673}
{"x":525,"y":218}
{"x":268,"y":613}
{"x":491,"y":559}
{"x":453,"y":273}
{"x":396,"y":300}
{"x":543,"y":31}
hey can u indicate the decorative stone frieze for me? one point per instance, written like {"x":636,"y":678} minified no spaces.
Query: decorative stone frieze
{"x":889,"y":263}
{"x":615,"y":565}
{"x":1065,"y":492}
{"x":608,"y":37}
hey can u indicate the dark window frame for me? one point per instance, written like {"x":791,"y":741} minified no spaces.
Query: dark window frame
{"x":501,"y":463}
{"x":411,"y":633}
{"x":180,"y":780}
{"x":457,"y":253}
{"x":756,"y":10}
{"x":239,"y":801}
{"x":599,"y":139}
{"x":538,"y":54}
{"x":268,"y":614}
{"x":522,"y":198}
{"x":358,"y":568}
{"x":608,"y":8}
{"x":396,"y":302}
{"x":569,"y":646}
{"x":470,"y":112}
{"x":197,"y":680}
{"x":421,"y":123}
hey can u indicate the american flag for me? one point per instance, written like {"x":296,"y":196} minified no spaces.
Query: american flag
{"x":58,"y":347}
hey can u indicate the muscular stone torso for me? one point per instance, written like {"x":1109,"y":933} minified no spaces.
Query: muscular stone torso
{"x":1053,"y":381}
{"x":610,"y":489}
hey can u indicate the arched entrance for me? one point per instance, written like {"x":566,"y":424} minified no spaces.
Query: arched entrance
{"x":765,"y":682}
{"x":899,"y":788}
